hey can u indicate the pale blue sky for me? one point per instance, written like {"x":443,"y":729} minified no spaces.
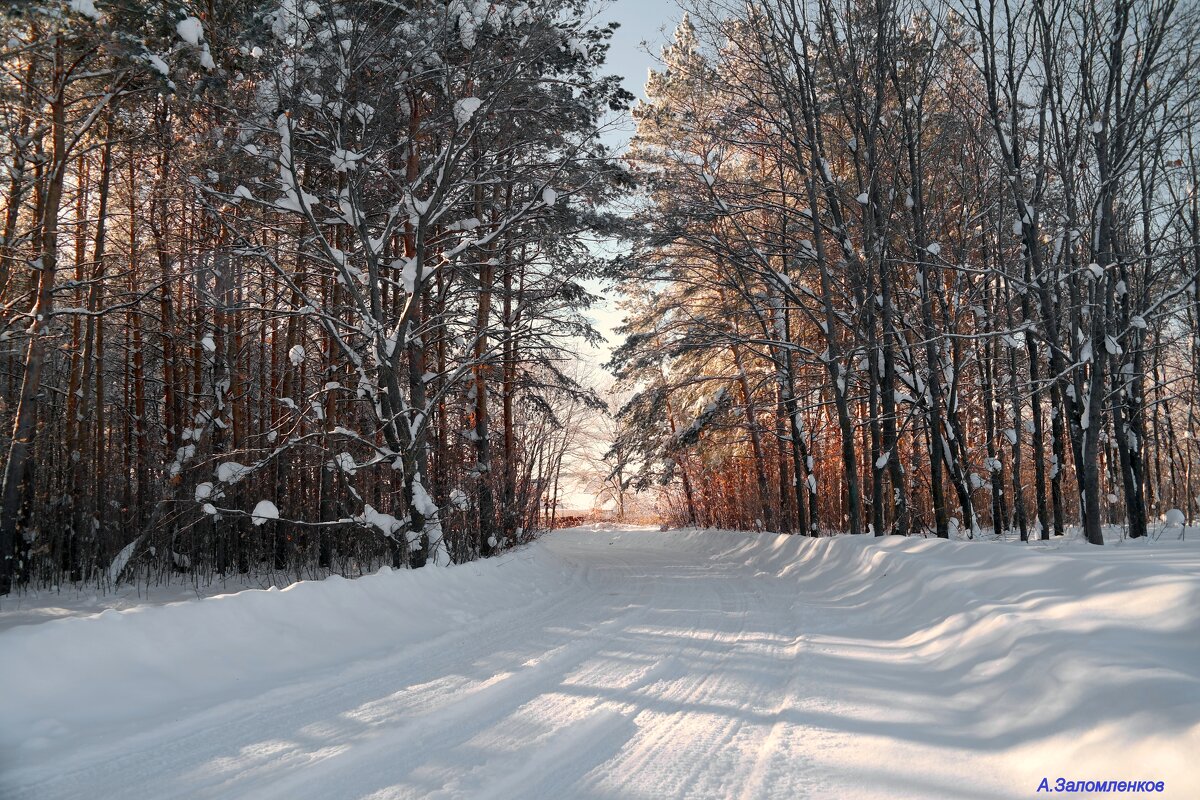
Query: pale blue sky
{"x":649,"y":21}
{"x":645,"y":26}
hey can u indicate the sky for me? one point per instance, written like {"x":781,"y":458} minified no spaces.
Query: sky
{"x":645,"y":26}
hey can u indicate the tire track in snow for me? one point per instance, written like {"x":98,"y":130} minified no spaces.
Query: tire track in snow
{"x":409,"y":723}
{"x":688,"y":725}
{"x":215,"y":732}
{"x":773,"y":745}
{"x":415,"y":740}
{"x":690,"y":665}
{"x":468,"y":770}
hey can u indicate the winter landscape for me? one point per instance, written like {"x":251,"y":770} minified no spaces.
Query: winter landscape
{"x":561,"y":399}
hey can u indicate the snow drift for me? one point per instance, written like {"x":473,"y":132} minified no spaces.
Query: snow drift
{"x":117,"y":672}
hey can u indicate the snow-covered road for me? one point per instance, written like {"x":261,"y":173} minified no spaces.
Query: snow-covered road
{"x":632,"y":664}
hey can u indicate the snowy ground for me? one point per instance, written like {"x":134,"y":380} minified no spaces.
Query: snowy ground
{"x":633,"y":664}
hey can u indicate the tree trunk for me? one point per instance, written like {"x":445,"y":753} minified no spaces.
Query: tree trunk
{"x":16,"y":484}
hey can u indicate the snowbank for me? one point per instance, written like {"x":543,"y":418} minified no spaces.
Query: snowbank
{"x":1074,"y":661}
{"x":117,"y":672}
{"x":35,"y":606}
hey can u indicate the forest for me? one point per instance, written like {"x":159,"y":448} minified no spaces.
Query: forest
{"x":453,"y":400}
{"x":300,"y":286}
{"x":914,"y":267}
{"x":292,"y":286}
